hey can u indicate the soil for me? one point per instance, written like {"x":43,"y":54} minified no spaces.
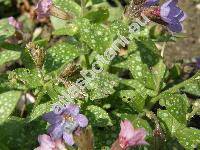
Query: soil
{"x":189,"y":47}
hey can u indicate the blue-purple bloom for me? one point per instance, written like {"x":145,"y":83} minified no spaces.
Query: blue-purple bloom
{"x":149,"y":3}
{"x":172,"y":15}
{"x":65,"y":122}
{"x":169,"y":14}
{"x":198,"y":62}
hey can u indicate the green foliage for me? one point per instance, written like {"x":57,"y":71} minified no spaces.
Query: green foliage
{"x":176,"y":104}
{"x":98,"y":116}
{"x":6,"y":30}
{"x":136,"y":83}
{"x":68,"y":6}
{"x":8,"y":101}
{"x":7,"y":56}
{"x":96,"y":36}
{"x":102,"y":86}
{"x":60,"y":54}
{"x":39,"y":110}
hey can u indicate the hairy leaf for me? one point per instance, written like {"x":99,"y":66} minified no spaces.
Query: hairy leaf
{"x":8,"y":101}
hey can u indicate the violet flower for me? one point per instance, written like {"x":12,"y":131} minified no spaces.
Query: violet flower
{"x":65,"y":122}
{"x":172,"y":15}
{"x":149,"y":3}
{"x":129,"y":137}
{"x":46,"y":143}
{"x":13,"y":22}
{"x":198,"y":63}
{"x":43,"y":8}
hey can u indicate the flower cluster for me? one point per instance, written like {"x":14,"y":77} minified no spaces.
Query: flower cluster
{"x":168,"y":14}
{"x":64,"y":122}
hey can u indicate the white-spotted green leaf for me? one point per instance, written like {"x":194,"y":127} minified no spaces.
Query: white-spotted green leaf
{"x":119,"y":28}
{"x":140,"y":71}
{"x":39,"y":110}
{"x":159,"y":71}
{"x":139,"y":87}
{"x":6,"y":30}
{"x":98,"y":116}
{"x":170,"y":123}
{"x":192,"y":88}
{"x":60,"y":54}
{"x":133,"y":98}
{"x":8,"y":55}
{"x":102,"y":86}
{"x":26,"y":77}
{"x":8,"y":101}
{"x":96,"y":36}
{"x":69,"y":6}
{"x":188,"y":137}
{"x":97,"y":16}
{"x":177,"y":105}
{"x":69,"y":29}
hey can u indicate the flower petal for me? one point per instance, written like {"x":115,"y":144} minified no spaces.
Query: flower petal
{"x":52,"y":118}
{"x":138,"y":137}
{"x":72,"y":109}
{"x":42,"y":8}
{"x":70,"y":126}
{"x":127,"y":129}
{"x":82,"y":120}
{"x":175,"y":27}
{"x":182,"y":16}
{"x":68,"y":138}
{"x":60,"y":145}
{"x":15,"y":23}
{"x":149,"y":3}
{"x":56,"y":130}
{"x":46,"y":140}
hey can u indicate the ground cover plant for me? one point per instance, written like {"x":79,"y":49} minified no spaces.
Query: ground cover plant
{"x":90,"y":75}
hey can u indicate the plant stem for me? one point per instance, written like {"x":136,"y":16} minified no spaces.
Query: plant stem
{"x":163,"y":49}
{"x":82,"y":7}
{"x":87,"y":61}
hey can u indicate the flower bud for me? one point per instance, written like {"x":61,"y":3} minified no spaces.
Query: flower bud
{"x":37,"y":54}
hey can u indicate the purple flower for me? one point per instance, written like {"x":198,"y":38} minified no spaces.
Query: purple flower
{"x":15,"y":23}
{"x":172,"y":15}
{"x":65,"y":122}
{"x":149,"y":3}
{"x":42,"y":8}
{"x":129,"y":137}
{"x":198,"y":62}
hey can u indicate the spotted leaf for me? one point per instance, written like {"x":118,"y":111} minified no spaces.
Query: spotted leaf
{"x":8,"y":101}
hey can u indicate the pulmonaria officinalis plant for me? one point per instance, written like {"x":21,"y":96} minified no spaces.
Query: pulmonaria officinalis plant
{"x":128,"y":97}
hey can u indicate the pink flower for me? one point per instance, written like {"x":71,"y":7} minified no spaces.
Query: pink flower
{"x":15,"y":23}
{"x":42,"y":8}
{"x":46,"y":143}
{"x":130,"y":137}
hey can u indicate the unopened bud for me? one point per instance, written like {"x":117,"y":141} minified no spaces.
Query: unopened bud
{"x":37,"y":54}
